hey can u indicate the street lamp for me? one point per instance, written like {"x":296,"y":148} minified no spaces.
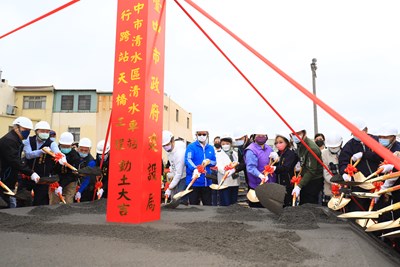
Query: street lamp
{"x":314,"y":75}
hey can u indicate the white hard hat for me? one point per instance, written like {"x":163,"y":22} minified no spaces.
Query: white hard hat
{"x":238,"y":134}
{"x":100,"y":146}
{"x":226,"y":137}
{"x":387,"y":130}
{"x":333,"y":140}
{"x":166,"y":137}
{"x":43,"y":125}
{"x":66,"y":138}
{"x":85,"y":142}
{"x":23,"y":122}
{"x":284,"y":135}
{"x":360,"y":124}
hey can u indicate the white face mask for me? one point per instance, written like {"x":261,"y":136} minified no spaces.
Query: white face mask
{"x":44,"y":136}
{"x":202,"y":138}
{"x":168,"y":148}
{"x":226,"y":147}
{"x":334,"y":150}
{"x":239,"y":143}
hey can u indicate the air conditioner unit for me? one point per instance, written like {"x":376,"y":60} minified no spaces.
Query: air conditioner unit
{"x":10,"y":110}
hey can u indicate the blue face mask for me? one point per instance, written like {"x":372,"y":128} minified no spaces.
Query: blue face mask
{"x":83,"y":155}
{"x":295,"y":139}
{"x":65,"y":150}
{"x":25,"y":134}
{"x":384,"y":142}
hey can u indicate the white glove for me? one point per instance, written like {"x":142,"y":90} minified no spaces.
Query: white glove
{"x":100,"y":192}
{"x":35,"y":177}
{"x":58,"y":191}
{"x":63,"y":160}
{"x":274,"y":167}
{"x":388,"y":183}
{"x":386,"y":168}
{"x":170,"y":176}
{"x":263,"y":177}
{"x":231,"y":172}
{"x":297,"y":168}
{"x":274,"y":156}
{"x":195,"y":174}
{"x":77,"y":195}
{"x":168,"y":192}
{"x":376,"y":199}
{"x":356,"y":156}
{"x":296,"y":190}
{"x":346,"y":177}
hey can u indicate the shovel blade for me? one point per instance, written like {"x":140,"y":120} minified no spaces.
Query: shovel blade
{"x":364,"y":195}
{"x":271,"y":191}
{"x":171,"y":205}
{"x":360,"y":215}
{"x":273,"y":206}
{"x":182,"y":194}
{"x":49,"y":179}
{"x":216,"y":187}
{"x":334,"y":203}
{"x":383,"y":226}
{"x":251,"y":196}
{"x":393,"y":234}
{"x":90,"y":171}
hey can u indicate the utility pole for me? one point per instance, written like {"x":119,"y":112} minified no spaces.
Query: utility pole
{"x":314,"y":76}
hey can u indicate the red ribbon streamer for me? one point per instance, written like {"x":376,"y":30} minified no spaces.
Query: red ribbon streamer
{"x":295,"y":180}
{"x":350,"y":170}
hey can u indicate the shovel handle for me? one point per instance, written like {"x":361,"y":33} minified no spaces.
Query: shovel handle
{"x":6,"y":188}
{"x":388,"y":190}
{"x":395,"y":206}
{"x":61,"y":198}
{"x":51,"y":153}
{"x":384,"y":177}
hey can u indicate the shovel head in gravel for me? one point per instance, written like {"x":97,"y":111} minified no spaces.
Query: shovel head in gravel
{"x":181,"y":194}
{"x":171,"y":205}
{"x":90,"y":171}
{"x":23,"y":195}
{"x":383,"y":226}
{"x":271,"y":196}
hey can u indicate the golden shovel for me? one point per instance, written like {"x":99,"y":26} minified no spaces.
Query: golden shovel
{"x":375,"y":194}
{"x":251,"y":194}
{"x":384,"y":225}
{"x":8,"y":190}
{"x":196,"y":175}
{"x":393,"y":234}
{"x":359,"y":177}
{"x":220,"y":186}
{"x":54,"y":155}
{"x":370,"y":214}
{"x":336,"y":203}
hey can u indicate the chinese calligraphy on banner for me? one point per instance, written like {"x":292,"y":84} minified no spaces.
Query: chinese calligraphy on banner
{"x":135,"y":161}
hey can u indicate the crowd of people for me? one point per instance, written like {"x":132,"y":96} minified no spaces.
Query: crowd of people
{"x":315,"y":160}
{"x":36,"y":170}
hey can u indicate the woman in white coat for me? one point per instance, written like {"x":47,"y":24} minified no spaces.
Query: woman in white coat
{"x":225,"y":157}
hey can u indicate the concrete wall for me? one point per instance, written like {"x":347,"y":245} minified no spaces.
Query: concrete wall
{"x":7,"y":97}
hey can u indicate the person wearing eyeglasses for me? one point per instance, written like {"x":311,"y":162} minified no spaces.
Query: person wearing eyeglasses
{"x":196,"y":154}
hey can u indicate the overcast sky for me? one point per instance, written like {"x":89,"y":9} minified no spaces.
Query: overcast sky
{"x":355,"y":42}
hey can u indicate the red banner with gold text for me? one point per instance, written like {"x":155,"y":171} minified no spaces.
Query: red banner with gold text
{"x":134,"y":193}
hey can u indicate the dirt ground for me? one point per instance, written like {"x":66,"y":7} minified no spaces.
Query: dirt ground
{"x":78,"y":235}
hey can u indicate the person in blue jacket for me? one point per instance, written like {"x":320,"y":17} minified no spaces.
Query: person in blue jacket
{"x":196,"y":154}
{"x":85,"y":191}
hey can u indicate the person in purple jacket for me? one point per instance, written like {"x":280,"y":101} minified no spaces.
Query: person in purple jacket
{"x":257,"y":155}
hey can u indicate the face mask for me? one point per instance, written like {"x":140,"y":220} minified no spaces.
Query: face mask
{"x":217,"y":145}
{"x":83,"y":155}
{"x":226,"y":147}
{"x":281,"y":146}
{"x":320,"y":142}
{"x":52,"y":139}
{"x":334,"y":150}
{"x":168,"y":148}
{"x":261,"y":140}
{"x":65,"y":150}
{"x":239,"y":143}
{"x":25,"y":134}
{"x":296,"y":140}
{"x":202,"y":138}
{"x":99,"y":157}
{"x":384,"y":142}
{"x":44,"y":136}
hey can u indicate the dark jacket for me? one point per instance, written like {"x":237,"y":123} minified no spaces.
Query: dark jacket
{"x":10,"y":157}
{"x":311,"y":168}
{"x":369,"y":162}
{"x":44,"y":164}
{"x":285,"y":167}
{"x":66,"y":175}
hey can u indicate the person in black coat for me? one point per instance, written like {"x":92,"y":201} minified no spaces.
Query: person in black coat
{"x":284,"y":170}
{"x":11,"y":163}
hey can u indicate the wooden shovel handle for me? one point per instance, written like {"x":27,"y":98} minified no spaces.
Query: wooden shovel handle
{"x":388,"y":190}
{"x":395,"y":206}
{"x":384,"y":177}
{"x":356,"y":163}
{"x":51,"y":153}
{"x":61,"y":198}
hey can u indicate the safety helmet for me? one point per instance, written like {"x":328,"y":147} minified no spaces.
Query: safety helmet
{"x":66,"y":138}
{"x":387,"y":130}
{"x":23,"y":122}
{"x":42,"y":125}
{"x":166,"y":137}
{"x":85,"y":142}
{"x":283,"y":135}
{"x":238,"y":134}
{"x":226,"y":137}
{"x":360,"y":124}
{"x":333,"y":140}
{"x":100,"y":146}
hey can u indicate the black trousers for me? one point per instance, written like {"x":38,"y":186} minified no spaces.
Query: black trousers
{"x":310,"y":192}
{"x":202,"y":194}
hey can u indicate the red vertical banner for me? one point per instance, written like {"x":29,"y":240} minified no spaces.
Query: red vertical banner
{"x":134,"y":194}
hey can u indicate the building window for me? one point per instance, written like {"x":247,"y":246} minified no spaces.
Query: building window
{"x":76,"y":132}
{"x":177,"y":115}
{"x":187,"y":123}
{"x":84,"y":102}
{"x":34,"y":102}
{"x":165,"y":107}
{"x":67,"y":102}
